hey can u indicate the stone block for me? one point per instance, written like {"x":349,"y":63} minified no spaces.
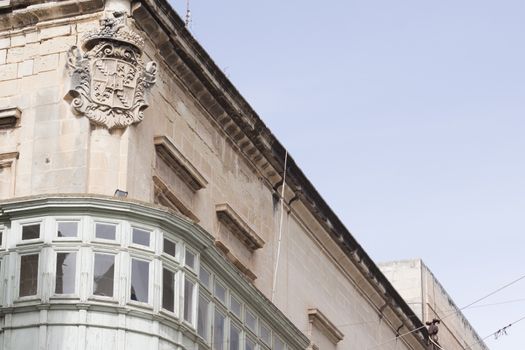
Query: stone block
{"x":8,"y":71}
{"x":46,"y":63}
{"x":3,"y":56}
{"x":9,"y":87}
{"x":18,"y":40}
{"x":5,"y":43}
{"x":60,"y":44}
{"x":19,"y":54}
{"x":53,"y":32}
{"x":32,"y":37}
{"x":25,"y":68}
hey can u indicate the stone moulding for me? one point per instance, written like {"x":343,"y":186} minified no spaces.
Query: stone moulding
{"x":179,"y":163}
{"x":238,"y":226}
{"x":9,"y":117}
{"x":109,"y":80}
{"x":321,"y":322}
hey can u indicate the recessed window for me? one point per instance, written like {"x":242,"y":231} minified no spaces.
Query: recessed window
{"x":104,"y":275}
{"x":220,"y":292}
{"x":249,"y":344}
{"x":204,"y":277}
{"x":235,"y":337}
{"x":218,"y":331}
{"x":140,"y":237}
{"x":202,"y":314}
{"x":266,"y":334}
{"x":188,"y":299}
{"x":105,"y":231}
{"x":235,"y":306}
{"x":251,"y":321}
{"x":31,"y":231}
{"x":170,"y":247}
{"x":65,"y":273}
{"x":168,"y":294}
{"x":67,"y":229}
{"x":189,"y":259}
{"x":1,"y":237}
{"x":28,"y":275}
{"x":139,"y":280}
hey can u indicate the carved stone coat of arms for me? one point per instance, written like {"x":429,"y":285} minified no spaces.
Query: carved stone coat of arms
{"x":108,"y":80}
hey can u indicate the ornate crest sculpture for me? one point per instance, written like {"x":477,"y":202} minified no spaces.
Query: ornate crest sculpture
{"x":109,"y":79}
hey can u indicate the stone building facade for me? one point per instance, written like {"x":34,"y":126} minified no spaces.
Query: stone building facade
{"x":146,"y":205}
{"x":429,"y":300}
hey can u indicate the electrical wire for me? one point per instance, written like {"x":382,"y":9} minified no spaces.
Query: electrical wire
{"x":455,"y":312}
{"x":274,"y":284}
{"x":496,"y":332}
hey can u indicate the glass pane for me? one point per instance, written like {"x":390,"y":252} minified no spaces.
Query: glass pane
{"x":278,"y":344}
{"x":103,"y":275}
{"x":139,"y":280}
{"x":1,"y":237}
{"x":235,"y":306}
{"x":105,"y":231}
{"x":31,"y":231}
{"x":202,"y":324}
{"x":169,"y":247}
{"x":140,"y":237}
{"x":189,"y":259}
{"x":65,"y":273}
{"x":67,"y":229}
{"x":235,"y":335}
{"x":251,"y":321}
{"x":218,"y":331}
{"x":266,"y":334}
{"x":28,"y":275}
{"x":250,"y":344}
{"x":188,"y":299}
{"x":220,"y":292}
{"x":168,"y":293}
{"x":204,"y":277}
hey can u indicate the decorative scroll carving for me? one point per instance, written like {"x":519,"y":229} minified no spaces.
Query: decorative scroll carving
{"x":109,"y":80}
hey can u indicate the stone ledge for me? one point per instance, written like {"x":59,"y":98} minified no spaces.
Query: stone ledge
{"x":235,"y":261}
{"x":170,"y":196}
{"x":179,"y":163}
{"x":9,"y":117}
{"x":7,"y":159}
{"x":238,"y":226}
{"x":321,"y":322}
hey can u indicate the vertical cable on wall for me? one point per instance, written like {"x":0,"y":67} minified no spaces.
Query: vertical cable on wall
{"x":280,"y":227}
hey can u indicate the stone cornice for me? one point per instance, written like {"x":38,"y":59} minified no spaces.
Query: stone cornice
{"x":167,"y":220}
{"x":23,"y":13}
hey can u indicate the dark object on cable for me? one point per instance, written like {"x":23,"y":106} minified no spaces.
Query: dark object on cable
{"x":433,"y":330}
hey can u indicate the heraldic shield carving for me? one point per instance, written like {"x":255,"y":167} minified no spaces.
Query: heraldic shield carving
{"x":108,"y":80}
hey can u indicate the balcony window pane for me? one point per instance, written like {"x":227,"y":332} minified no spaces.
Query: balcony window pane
{"x":250,"y":344}
{"x":189,"y":259}
{"x":251,"y":321}
{"x":204,"y":277}
{"x":235,"y":306}
{"x":169,"y":247}
{"x":168,"y":295}
{"x":141,"y":237}
{"x":106,"y":231}
{"x":67,"y":229}
{"x":220,"y":292}
{"x":65,"y":273}
{"x":28,"y":275}
{"x":139,"y":280}
{"x":266,"y":334}
{"x":218,"y":331}
{"x":235,"y":335}
{"x":278,"y":344}
{"x":188,"y":300}
{"x":202,"y":324}
{"x":103,"y":275}
{"x":30,"y":231}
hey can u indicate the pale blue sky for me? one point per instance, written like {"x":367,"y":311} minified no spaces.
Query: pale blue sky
{"x":408,"y":117}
